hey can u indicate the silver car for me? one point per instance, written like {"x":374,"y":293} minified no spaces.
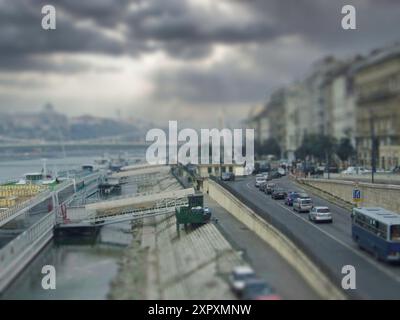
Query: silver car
{"x":320,"y":214}
{"x":239,"y":276}
{"x":302,"y":205}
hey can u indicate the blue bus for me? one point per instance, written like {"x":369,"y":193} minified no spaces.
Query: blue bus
{"x":378,"y":231}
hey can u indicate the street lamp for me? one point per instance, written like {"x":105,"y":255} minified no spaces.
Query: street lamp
{"x":373,"y":146}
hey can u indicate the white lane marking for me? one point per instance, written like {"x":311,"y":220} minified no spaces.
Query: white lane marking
{"x":373,"y":262}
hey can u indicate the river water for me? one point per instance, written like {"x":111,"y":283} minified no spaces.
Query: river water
{"x":84,"y":267}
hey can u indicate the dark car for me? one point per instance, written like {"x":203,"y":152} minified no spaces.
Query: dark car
{"x":275,"y":175}
{"x":278,"y":193}
{"x":256,"y":289}
{"x":263,"y":186}
{"x":269,"y":188}
{"x":227,"y":176}
{"x":291,"y":197}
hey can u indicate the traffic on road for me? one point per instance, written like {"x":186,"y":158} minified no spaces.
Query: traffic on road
{"x":326,"y":233}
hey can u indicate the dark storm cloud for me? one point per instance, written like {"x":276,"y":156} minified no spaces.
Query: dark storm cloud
{"x":103,"y":12}
{"x":319,"y":21}
{"x":25,"y":45}
{"x":254,"y":29}
{"x":188,"y":32}
{"x":185,"y":31}
{"x":231,"y":82}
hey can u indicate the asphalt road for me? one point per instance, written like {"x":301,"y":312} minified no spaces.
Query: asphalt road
{"x":330,"y":245}
{"x":266,"y":262}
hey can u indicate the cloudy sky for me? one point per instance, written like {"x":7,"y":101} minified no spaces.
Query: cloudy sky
{"x":174,"y":59}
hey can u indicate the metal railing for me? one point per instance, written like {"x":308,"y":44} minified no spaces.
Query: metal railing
{"x":80,"y":215}
{"x":21,"y":207}
{"x":17,"y":246}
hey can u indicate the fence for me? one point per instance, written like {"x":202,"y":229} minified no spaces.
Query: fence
{"x":21,"y":207}
{"x":17,"y":253}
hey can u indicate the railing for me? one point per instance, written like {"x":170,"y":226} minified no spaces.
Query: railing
{"x":18,"y":209}
{"x":17,"y":246}
{"x":80,"y":215}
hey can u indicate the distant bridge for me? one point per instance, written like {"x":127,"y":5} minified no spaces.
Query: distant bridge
{"x":70,"y":145}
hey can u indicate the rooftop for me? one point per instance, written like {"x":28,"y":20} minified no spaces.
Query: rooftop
{"x":381,"y":214}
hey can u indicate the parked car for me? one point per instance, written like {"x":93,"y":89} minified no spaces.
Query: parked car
{"x":228,"y":176}
{"x":239,"y":276}
{"x":269,"y":188}
{"x":278,"y":193}
{"x":291,"y":197}
{"x":302,"y":204}
{"x":355,"y":170}
{"x":263,"y":186}
{"x":282,"y":171}
{"x":320,"y":214}
{"x":396,"y":170}
{"x":349,"y":170}
{"x":259,"y":181}
{"x":258,"y":290}
{"x":275,"y":175}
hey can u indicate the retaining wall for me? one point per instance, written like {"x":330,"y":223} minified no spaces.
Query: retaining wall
{"x":374,"y":195}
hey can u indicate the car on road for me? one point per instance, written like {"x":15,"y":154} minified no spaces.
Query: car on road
{"x":302,"y":204}
{"x":228,"y":176}
{"x":269,"y":188}
{"x":258,"y":289}
{"x":320,"y":214}
{"x":396,"y":170}
{"x":275,"y":175}
{"x":263,"y":186}
{"x":278,"y":193}
{"x":291,"y":196}
{"x":355,"y":170}
{"x":259,"y":181}
{"x":239,"y":276}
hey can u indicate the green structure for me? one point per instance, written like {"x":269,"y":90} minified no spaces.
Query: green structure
{"x":194,"y":213}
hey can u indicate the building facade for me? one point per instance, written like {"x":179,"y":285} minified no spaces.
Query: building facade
{"x":377,"y":86}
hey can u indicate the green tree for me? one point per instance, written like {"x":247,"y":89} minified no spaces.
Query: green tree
{"x":269,"y":147}
{"x":345,"y":149}
{"x":320,"y":147}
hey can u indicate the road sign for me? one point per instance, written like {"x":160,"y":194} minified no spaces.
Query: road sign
{"x":357,"y":195}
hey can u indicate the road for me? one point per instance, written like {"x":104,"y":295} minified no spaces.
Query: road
{"x":330,"y":244}
{"x":265,"y":261}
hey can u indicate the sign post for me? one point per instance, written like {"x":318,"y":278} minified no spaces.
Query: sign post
{"x":357,"y":197}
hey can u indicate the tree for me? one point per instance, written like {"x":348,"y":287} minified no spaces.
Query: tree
{"x":269,"y":147}
{"x":345,"y":149}
{"x":320,"y":147}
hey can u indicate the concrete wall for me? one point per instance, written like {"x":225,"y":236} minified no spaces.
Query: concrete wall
{"x":286,"y":248}
{"x":374,"y":195}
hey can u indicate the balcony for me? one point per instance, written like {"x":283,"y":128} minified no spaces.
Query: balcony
{"x":376,"y":96}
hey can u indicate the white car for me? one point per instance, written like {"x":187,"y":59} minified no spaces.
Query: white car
{"x":302,"y":204}
{"x":350,"y":170}
{"x":320,"y":214}
{"x":355,"y":170}
{"x":239,"y":276}
{"x":265,"y":175}
{"x":260,"y":181}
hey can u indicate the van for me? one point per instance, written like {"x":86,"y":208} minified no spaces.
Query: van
{"x":302,"y":205}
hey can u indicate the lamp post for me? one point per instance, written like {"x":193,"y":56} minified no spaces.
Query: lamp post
{"x":373,"y":146}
